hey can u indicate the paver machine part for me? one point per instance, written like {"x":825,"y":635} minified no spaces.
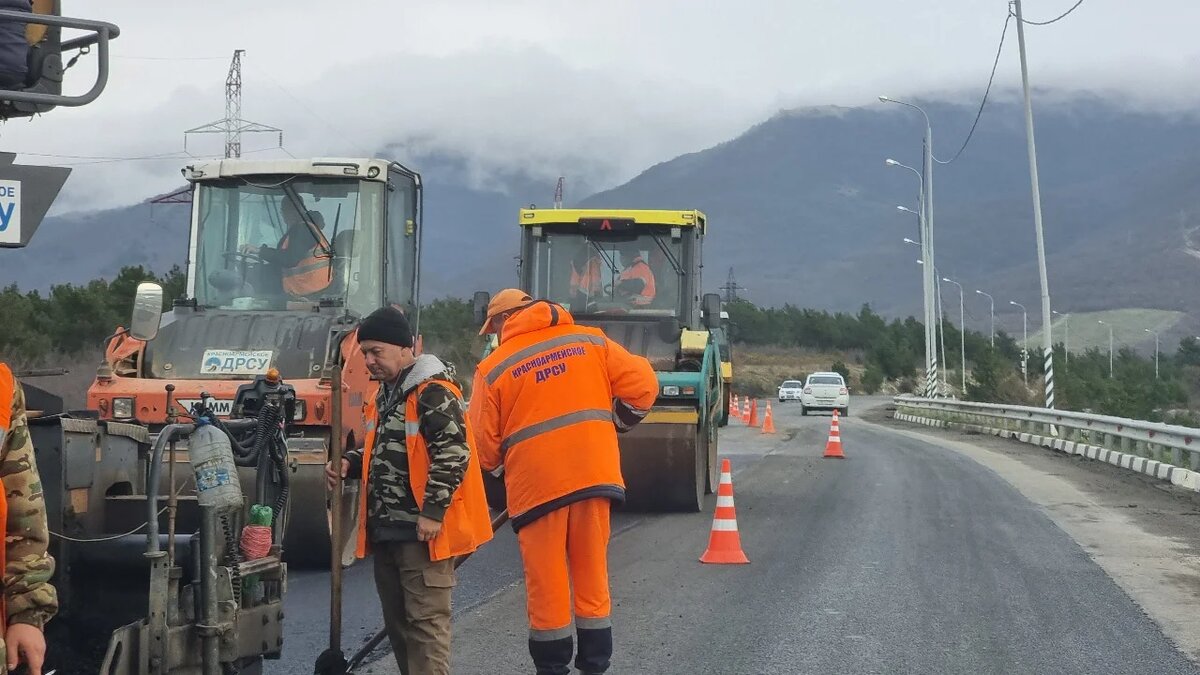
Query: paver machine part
{"x":578,"y":258}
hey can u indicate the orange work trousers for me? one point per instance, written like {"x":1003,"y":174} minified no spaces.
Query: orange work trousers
{"x":566,"y":569}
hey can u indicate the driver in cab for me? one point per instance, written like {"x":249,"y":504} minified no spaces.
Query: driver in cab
{"x":636,"y":283}
{"x":305,"y":265}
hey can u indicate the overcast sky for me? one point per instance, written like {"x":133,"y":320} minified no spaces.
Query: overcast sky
{"x":596,"y":90}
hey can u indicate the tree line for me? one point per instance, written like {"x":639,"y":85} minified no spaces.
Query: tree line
{"x":895,"y":351}
{"x":71,"y":321}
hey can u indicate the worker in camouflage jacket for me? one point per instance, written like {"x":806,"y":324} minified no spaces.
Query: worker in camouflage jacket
{"x":29,"y":599}
{"x":415,"y":458}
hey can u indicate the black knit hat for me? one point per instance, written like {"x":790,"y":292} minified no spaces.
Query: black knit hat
{"x":386,"y":324}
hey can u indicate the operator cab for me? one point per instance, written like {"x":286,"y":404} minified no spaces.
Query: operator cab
{"x":630,"y":263}
{"x":295,"y":235}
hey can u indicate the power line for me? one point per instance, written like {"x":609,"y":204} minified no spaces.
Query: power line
{"x":991,"y":79}
{"x":1060,"y":17}
{"x":170,"y":58}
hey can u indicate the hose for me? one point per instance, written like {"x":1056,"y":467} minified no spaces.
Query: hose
{"x":169,"y":433}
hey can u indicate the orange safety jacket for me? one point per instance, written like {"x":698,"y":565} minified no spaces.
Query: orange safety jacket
{"x":590,"y":281}
{"x":641,"y":271}
{"x":546,"y":406}
{"x":467,"y":524}
{"x":313,"y":273}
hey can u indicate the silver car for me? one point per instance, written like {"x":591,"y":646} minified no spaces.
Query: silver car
{"x":791,"y":390}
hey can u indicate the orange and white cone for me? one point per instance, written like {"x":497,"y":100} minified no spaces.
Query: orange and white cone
{"x":724,"y":542}
{"x":768,"y":421}
{"x":753,"y":419}
{"x":833,"y":447}
{"x":746,"y":410}
{"x":733,"y":405}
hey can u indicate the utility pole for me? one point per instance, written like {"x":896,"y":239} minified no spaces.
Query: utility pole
{"x":558,"y":192}
{"x":1066,"y":337}
{"x":1024,"y":340}
{"x":1047,"y":339}
{"x":962,"y":333}
{"x":1155,"y":350}
{"x":233,"y":126}
{"x":1110,"y":346}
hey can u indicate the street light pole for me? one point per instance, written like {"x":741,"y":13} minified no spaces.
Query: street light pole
{"x":927,"y":234}
{"x":927,"y":286}
{"x":1155,"y":350}
{"x":1024,"y":340}
{"x":1066,"y":336}
{"x":1110,"y":347}
{"x":992,"y":315}
{"x":1047,"y":339}
{"x":962,"y":332}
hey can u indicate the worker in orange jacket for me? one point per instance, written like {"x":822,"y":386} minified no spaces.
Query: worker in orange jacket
{"x":636,"y":282}
{"x":545,"y":410}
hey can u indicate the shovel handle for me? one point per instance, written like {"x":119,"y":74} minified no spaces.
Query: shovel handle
{"x":335,"y":529}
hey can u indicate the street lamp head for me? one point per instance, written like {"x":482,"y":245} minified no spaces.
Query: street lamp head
{"x":890,"y":162}
{"x":883,"y":99}
{"x":979,"y":291}
{"x":1013,"y":303}
{"x":947,"y":280}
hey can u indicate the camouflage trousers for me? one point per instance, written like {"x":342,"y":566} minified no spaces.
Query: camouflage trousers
{"x":415,"y":594}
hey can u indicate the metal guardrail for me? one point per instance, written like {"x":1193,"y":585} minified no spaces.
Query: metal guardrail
{"x":1167,"y":443}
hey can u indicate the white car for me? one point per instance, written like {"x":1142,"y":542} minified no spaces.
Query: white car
{"x":825,"y":391}
{"x":790,"y":390}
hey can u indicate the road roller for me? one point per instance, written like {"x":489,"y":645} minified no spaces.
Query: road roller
{"x":636,"y":275}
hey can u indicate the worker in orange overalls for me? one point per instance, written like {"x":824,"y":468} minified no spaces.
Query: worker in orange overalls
{"x":545,"y":411}
{"x":636,"y":282}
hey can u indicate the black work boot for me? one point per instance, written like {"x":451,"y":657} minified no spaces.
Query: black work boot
{"x":595,"y":650}
{"x":552,"y":657}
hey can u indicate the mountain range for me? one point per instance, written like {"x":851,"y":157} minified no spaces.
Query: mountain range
{"x":803,"y":209}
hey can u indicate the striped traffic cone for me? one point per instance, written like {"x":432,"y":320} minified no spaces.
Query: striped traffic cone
{"x":833,"y":447}
{"x":753,"y":419}
{"x":724,"y":542}
{"x":768,"y":421}
{"x":746,"y":410}
{"x":733,"y":405}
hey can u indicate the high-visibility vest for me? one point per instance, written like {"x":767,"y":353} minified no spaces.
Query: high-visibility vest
{"x":467,"y":524}
{"x":641,"y":271}
{"x":589,"y":281}
{"x":311,"y":275}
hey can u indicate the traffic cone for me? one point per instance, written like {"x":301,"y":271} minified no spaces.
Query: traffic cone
{"x":833,"y":447}
{"x":753,"y":419}
{"x":724,"y":542}
{"x":746,"y":410}
{"x":768,"y":421}
{"x":733,"y":405}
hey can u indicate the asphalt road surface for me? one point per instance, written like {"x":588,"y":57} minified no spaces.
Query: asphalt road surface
{"x":906,"y":557}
